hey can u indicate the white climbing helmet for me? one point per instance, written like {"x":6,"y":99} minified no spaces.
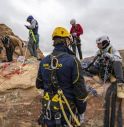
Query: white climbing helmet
{"x":102,"y":39}
{"x":72,"y":21}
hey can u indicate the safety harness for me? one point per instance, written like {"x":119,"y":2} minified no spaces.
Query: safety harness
{"x":56,"y":101}
{"x":33,"y":36}
{"x":112,"y":104}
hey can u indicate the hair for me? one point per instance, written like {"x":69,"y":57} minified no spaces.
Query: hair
{"x":58,"y":41}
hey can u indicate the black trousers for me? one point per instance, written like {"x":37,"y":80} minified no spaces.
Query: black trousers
{"x":118,"y":71}
{"x":77,"y":43}
{"x":9,"y":53}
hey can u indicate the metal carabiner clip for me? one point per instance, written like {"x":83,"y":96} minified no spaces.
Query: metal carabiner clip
{"x":57,"y":115}
{"x":48,"y":111}
{"x":54,"y":62}
{"x":48,"y":114}
{"x":57,"y":118}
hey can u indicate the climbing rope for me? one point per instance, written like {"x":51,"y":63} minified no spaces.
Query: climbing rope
{"x":61,"y":95}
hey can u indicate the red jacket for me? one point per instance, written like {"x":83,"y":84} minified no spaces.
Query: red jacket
{"x":77,"y":29}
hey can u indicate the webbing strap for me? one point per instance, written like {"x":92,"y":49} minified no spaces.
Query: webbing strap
{"x":71,"y":112}
{"x":55,"y":56}
{"x":33,"y":36}
{"x":109,"y":50}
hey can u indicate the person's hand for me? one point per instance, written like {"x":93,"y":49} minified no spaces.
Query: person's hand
{"x":74,"y":34}
{"x":107,"y":55}
{"x":26,"y":26}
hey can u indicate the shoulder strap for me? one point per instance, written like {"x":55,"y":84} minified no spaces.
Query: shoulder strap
{"x":100,"y":51}
{"x":53,"y":69}
{"x":110,"y":50}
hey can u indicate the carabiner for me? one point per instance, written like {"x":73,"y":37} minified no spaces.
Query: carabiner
{"x":54,"y":62}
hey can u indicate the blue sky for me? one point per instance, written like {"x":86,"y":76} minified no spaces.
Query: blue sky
{"x":98,"y":17}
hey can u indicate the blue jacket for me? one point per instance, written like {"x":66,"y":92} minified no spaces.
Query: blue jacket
{"x":69,"y":74}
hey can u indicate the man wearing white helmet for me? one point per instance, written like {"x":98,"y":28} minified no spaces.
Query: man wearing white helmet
{"x":103,"y":43}
{"x":108,"y":64}
{"x":107,"y":52}
{"x":76,"y":30}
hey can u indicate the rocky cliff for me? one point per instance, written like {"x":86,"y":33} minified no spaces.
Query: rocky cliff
{"x":20,"y":100}
{"x":5,"y":30}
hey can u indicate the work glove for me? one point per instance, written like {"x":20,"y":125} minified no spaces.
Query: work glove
{"x":26,"y":26}
{"x":21,"y":59}
{"x":74,"y":34}
{"x":107,"y":55}
{"x":120,"y":84}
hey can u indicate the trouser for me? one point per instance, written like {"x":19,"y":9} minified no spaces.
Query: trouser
{"x":51,"y":114}
{"x":37,"y":39}
{"x":93,"y":70}
{"x":9,"y":54}
{"x":77,"y":43}
{"x":118,"y":71}
{"x":57,"y":121}
{"x":53,"y":118}
{"x":32,"y":46}
{"x":81,"y":106}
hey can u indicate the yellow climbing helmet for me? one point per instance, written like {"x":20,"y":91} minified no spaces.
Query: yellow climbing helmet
{"x":60,"y":32}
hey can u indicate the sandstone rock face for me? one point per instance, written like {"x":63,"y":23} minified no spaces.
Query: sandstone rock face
{"x":5,"y":30}
{"x":19,"y":99}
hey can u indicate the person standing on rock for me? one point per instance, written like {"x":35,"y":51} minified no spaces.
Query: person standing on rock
{"x":10,"y":43}
{"x":60,"y":76}
{"x":76,"y":30}
{"x":33,"y":42}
